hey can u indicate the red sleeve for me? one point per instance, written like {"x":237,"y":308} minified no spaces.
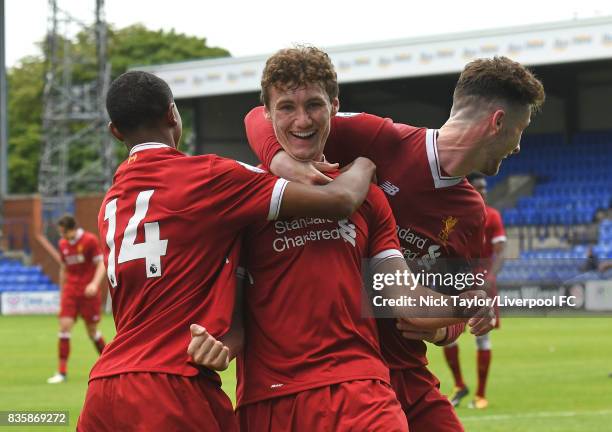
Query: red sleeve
{"x":354,"y":135}
{"x":260,"y":135}
{"x":497,"y":227}
{"x":246,"y":193}
{"x":381,"y":223}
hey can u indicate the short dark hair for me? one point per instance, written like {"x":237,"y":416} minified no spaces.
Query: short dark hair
{"x":475,"y":176}
{"x":67,"y":222}
{"x":500,"y":78}
{"x":137,"y":99}
{"x":292,"y":68}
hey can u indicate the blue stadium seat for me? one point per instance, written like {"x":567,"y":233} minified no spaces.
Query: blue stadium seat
{"x":16,"y":277}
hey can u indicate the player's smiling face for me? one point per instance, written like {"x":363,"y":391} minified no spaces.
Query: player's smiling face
{"x":301,"y":119}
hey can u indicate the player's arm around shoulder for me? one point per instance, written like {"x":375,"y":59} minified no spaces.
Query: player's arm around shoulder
{"x":244,"y":187}
{"x":283,"y":165}
{"x":366,"y":135}
{"x":335,"y":200}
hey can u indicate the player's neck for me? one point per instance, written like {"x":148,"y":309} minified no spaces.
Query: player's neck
{"x":459,"y":147}
{"x":163,"y":137}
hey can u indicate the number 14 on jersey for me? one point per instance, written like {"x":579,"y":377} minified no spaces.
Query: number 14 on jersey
{"x":151,"y":250}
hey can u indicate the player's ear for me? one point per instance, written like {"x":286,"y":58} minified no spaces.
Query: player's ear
{"x":267,"y":113}
{"x":172,"y":115}
{"x":335,"y":106}
{"x":115,"y":132}
{"x":497,"y":121}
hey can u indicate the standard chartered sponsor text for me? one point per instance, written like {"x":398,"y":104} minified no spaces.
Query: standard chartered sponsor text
{"x":331,"y":230}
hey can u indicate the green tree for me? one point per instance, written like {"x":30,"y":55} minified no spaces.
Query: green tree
{"x":25,"y":86}
{"x":136,"y":45}
{"x":133,"y":45}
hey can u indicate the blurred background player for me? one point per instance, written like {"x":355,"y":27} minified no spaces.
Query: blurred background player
{"x":440,"y":217}
{"x":171,"y":226}
{"x":492,"y":259}
{"x":81,"y":272}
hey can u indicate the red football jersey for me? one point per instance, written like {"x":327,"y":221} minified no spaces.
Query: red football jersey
{"x":440,"y":219}
{"x":304,"y":326}
{"x":493,"y":233}
{"x":80,"y":257}
{"x":171,"y":226}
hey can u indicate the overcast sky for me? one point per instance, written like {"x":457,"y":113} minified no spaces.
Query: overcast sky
{"x":249,"y":27}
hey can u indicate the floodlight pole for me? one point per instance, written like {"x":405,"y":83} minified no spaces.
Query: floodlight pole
{"x":73,"y":115}
{"x":3,"y":114}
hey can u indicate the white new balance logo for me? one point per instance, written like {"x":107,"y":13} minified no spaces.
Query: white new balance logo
{"x":429,"y":259}
{"x":389,"y":188}
{"x":347,"y":231}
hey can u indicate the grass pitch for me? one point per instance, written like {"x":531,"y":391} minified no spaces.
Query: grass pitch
{"x":547,"y":374}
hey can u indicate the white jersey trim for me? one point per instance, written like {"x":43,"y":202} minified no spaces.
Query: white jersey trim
{"x":146,"y":146}
{"x":277,"y":198}
{"x":499,"y":239}
{"x":389,"y":253}
{"x":252,"y":168}
{"x":440,"y":181}
{"x":77,"y":237}
{"x":97,"y":259}
{"x":384,"y":256}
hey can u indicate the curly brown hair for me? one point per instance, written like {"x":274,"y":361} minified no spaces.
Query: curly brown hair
{"x":292,"y":68}
{"x":500,"y":78}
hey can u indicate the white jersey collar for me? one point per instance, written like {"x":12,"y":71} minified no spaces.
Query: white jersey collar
{"x":77,"y":237}
{"x":440,"y":181}
{"x":147,"y":146}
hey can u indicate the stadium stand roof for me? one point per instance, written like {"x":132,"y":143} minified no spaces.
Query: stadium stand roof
{"x":539,"y":44}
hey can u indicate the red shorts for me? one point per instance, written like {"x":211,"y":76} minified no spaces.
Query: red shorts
{"x":73,"y":305}
{"x":364,"y":405}
{"x":426,"y":409}
{"x":156,"y":402}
